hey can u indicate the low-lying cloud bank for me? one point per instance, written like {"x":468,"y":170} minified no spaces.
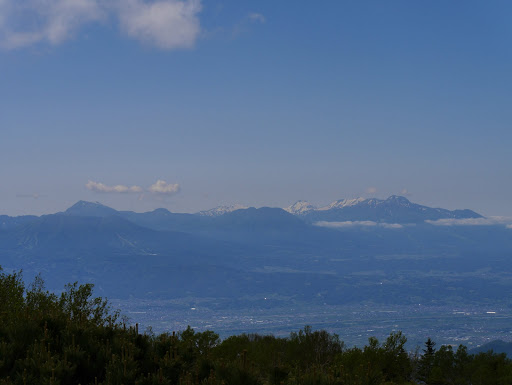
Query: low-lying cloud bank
{"x":160,"y":187}
{"x":166,"y":24}
{"x":351,"y":224}
{"x":488,"y":221}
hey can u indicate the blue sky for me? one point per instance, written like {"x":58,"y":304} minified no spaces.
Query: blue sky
{"x":258,"y":103}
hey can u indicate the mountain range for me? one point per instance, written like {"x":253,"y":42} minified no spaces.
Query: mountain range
{"x":395,"y":209}
{"x":341,"y":253}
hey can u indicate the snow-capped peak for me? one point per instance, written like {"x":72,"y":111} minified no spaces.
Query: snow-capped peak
{"x":399,"y":200}
{"x":339,"y":204}
{"x":221,"y":210}
{"x":300,"y":207}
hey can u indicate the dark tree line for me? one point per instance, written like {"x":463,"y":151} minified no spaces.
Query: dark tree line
{"x":76,"y":338}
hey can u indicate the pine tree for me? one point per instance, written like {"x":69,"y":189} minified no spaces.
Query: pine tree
{"x":427,"y":360}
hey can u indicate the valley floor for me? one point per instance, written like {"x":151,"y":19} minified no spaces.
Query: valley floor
{"x":452,"y":325}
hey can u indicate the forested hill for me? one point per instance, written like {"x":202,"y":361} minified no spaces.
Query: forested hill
{"x":75,"y":338}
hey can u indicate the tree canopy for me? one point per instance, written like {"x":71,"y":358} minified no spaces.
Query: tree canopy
{"x":76,"y":338}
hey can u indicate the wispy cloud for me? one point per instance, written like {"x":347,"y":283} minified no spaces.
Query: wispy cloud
{"x":103,"y":188}
{"x":391,"y":225}
{"x":339,"y":225}
{"x":53,"y":21}
{"x":167,"y":24}
{"x":371,"y":190}
{"x":406,"y":193}
{"x":33,"y":196}
{"x":351,"y":224}
{"x":160,"y":187}
{"x":164,"y":188}
{"x":488,"y":221}
{"x":254,"y":16}
{"x":245,"y":23}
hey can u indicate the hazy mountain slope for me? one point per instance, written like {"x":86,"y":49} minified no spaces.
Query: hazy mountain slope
{"x":255,"y":253}
{"x":90,"y":209}
{"x":64,"y":247}
{"x":162,"y":219}
{"x":7,"y":222}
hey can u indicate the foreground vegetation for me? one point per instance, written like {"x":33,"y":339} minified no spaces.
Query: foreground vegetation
{"x":75,"y":338}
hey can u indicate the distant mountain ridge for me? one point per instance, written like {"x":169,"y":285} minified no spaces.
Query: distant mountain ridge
{"x":221,"y":210}
{"x":254,"y":252}
{"x":90,"y":209}
{"x":7,"y":222}
{"x":395,"y":209}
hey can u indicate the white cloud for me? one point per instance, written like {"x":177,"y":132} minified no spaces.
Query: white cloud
{"x":167,"y":24}
{"x":160,"y":187}
{"x":51,"y":21}
{"x":391,"y":225}
{"x":102,"y":188}
{"x":254,"y":16}
{"x":371,"y":190}
{"x":349,"y":224}
{"x":405,"y":193}
{"x":509,"y":226}
{"x":489,"y":221}
{"x":164,"y":188}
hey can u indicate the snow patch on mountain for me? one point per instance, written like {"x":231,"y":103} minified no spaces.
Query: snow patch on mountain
{"x":221,"y":210}
{"x":341,"y":203}
{"x":395,"y":209}
{"x":299,"y":208}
